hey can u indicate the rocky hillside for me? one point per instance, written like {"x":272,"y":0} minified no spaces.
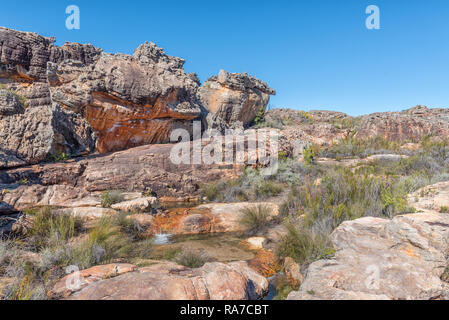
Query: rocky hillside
{"x":358,"y":208}
{"x":120,"y":101}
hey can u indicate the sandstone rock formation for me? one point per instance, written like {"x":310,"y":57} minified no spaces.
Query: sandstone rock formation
{"x":235,"y":98}
{"x":35,"y":134}
{"x":79,"y":183}
{"x":24,"y":58}
{"x":409,"y":125}
{"x":167,"y":281}
{"x":128,"y":100}
{"x":402,"y":258}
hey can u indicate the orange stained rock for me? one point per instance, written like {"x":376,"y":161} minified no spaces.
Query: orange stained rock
{"x":265,"y":263}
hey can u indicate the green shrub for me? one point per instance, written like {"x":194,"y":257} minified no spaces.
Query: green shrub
{"x":268,"y":188}
{"x":444,"y":209}
{"x":309,"y":155}
{"x":47,"y":224}
{"x":304,"y":246}
{"x":260,"y":117}
{"x":108,"y":198}
{"x":254,"y":218}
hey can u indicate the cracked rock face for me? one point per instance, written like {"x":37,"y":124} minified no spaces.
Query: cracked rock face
{"x":128,"y":100}
{"x":402,"y":258}
{"x":235,"y":98}
{"x":32,"y":135}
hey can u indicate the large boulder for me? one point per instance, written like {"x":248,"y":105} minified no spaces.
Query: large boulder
{"x":235,"y":98}
{"x":128,"y":100}
{"x":402,"y":258}
{"x":35,"y":134}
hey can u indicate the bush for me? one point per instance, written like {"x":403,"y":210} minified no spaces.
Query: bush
{"x":444,"y":209}
{"x":192,"y":259}
{"x":305,"y":246}
{"x":47,"y":226}
{"x":108,"y":198}
{"x":254,"y":219}
{"x":268,"y":188}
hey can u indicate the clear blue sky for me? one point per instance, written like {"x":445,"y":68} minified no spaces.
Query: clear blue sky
{"x":317,"y":54}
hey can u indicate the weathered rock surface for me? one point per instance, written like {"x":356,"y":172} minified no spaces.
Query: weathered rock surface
{"x":89,"y":213}
{"x":235,"y":98}
{"x":137,"y":205}
{"x":409,"y":125}
{"x":208,"y":218}
{"x":88,"y":276}
{"x":24,"y":58}
{"x":128,"y":100}
{"x":78,"y":182}
{"x":35,"y":134}
{"x":168,"y":281}
{"x":403,"y":258}
{"x":293,"y":272}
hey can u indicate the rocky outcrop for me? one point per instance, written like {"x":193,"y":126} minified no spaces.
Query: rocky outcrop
{"x":80,"y":182}
{"x":167,"y":281}
{"x":235,"y":98}
{"x":402,"y":258}
{"x":410,"y":125}
{"x":23,"y":62}
{"x":36,"y":134}
{"x":128,"y":100}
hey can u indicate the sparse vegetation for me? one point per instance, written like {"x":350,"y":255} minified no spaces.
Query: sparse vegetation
{"x":305,"y":245}
{"x":108,"y":198}
{"x":192,"y":259}
{"x":22,"y":99}
{"x":255,"y":218}
{"x":444,"y":209}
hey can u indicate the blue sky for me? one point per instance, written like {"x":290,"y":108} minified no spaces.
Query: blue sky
{"x":317,"y":54}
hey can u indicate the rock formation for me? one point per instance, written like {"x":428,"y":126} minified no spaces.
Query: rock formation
{"x":34,"y":134}
{"x":73,"y":184}
{"x":235,"y":98}
{"x":167,"y":281}
{"x":128,"y":100}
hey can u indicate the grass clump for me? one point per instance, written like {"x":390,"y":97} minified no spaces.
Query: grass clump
{"x":111,"y":197}
{"x":305,"y":245}
{"x":192,"y":259}
{"x":444,"y":209}
{"x":254,"y":219}
{"x":47,"y":224}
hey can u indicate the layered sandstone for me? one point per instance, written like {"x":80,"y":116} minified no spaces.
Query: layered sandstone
{"x":235,"y":98}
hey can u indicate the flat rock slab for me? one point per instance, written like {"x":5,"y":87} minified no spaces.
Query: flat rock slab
{"x":168,"y":281}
